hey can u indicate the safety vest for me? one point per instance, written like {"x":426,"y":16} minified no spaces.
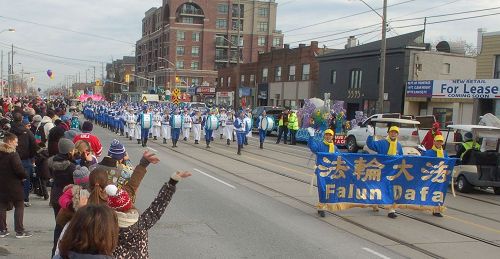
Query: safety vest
{"x":280,"y":122}
{"x":293,"y":122}
{"x":469,"y":145}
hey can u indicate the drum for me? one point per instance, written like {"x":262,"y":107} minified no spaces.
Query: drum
{"x":267,"y":123}
{"x":212,"y":123}
{"x":147,"y":121}
{"x":176,"y":121}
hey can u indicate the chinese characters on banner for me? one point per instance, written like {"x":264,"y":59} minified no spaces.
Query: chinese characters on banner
{"x":360,"y":180}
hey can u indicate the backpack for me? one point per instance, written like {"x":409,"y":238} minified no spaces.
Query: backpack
{"x":40,"y":134}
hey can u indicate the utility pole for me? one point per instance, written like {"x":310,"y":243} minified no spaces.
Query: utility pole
{"x":381,"y":90}
{"x":238,"y":77}
{"x":94,"y":72}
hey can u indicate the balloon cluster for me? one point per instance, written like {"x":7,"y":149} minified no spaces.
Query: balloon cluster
{"x":50,"y":74}
{"x":306,"y":112}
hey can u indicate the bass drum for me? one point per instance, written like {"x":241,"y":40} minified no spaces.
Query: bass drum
{"x":212,"y":123}
{"x":267,"y":124}
{"x":176,"y":122}
{"x":147,"y":121}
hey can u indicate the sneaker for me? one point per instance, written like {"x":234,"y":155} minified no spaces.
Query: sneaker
{"x":437,"y":214}
{"x":27,"y":204}
{"x":23,"y":234}
{"x":4,"y":233}
{"x":392,"y":215}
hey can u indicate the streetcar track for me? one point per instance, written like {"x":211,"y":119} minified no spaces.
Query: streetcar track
{"x":346,"y":219}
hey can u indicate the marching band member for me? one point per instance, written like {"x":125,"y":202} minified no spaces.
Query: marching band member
{"x":222,"y":122}
{"x":132,"y":120}
{"x":165,"y":126}
{"x":137,"y":132}
{"x":262,"y":132}
{"x":228,"y":130}
{"x":176,"y":124}
{"x":241,"y":131}
{"x":197,"y":120}
{"x":327,"y":146}
{"x":388,"y":146}
{"x":211,"y":124}
{"x":248,"y":125}
{"x":156,"y":124}
{"x":437,"y":151}
{"x":146,"y":122}
{"x":186,"y":125}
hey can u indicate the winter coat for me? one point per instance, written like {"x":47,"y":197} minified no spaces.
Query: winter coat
{"x":27,"y":144}
{"x":42,"y":167}
{"x":47,"y":125}
{"x":55,"y":134}
{"x":428,"y":141}
{"x":61,"y":170}
{"x":382,"y":146}
{"x":432,"y":153}
{"x":73,"y":255}
{"x":11,"y":175}
{"x":133,"y":240}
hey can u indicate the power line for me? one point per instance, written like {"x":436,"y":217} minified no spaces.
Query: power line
{"x":448,"y":14}
{"x":430,"y":8}
{"x":51,"y":55}
{"x":450,"y":20}
{"x":338,"y":33}
{"x":67,"y":30}
{"x":347,"y":16}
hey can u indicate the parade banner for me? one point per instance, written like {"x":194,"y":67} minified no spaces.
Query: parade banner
{"x":360,"y":180}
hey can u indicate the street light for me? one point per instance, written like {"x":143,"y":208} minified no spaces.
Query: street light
{"x":175,"y":72}
{"x":238,"y":77}
{"x":9,"y":30}
{"x":383,"y":48}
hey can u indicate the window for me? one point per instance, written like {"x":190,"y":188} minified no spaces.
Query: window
{"x":305,"y":71}
{"x":181,"y":36}
{"x":195,"y":36}
{"x":180,"y":50}
{"x":291,"y":73}
{"x":195,"y":65}
{"x":195,"y":51}
{"x":220,"y":54}
{"x":356,"y":78}
{"x":276,"y":42}
{"x":446,"y":68}
{"x":443,"y":115}
{"x":263,"y":26}
{"x":264,"y":74}
{"x":223,"y":8}
{"x":221,"y":24}
{"x":333,"y":77}
{"x":180,"y":64}
{"x":242,"y":79}
{"x":234,"y":25}
{"x":185,"y":19}
{"x":497,"y":67}
{"x":252,"y":78}
{"x":277,"y":73}
{"x":236,"y":12}
{"x":222,"y":82}
{"x":263,"y":11}
{"x":261,"y":41}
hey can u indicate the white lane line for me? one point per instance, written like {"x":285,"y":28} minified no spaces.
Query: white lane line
{"x":152,"y":149}
{"x":376,"y":253}
{"x":217,"y":179}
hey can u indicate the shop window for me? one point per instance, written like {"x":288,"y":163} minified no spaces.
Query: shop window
{"x":497,"y":67}
{"x":443,"y":116}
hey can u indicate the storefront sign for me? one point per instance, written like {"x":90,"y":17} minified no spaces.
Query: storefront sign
{"x":205,"y":90}
{"x":473,"y":88}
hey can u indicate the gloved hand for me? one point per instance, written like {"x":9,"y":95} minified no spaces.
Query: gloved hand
{"x":371,"y":130}
{"x":310,"y":131}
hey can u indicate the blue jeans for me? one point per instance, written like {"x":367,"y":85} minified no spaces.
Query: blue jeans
{"x":28,"y":168}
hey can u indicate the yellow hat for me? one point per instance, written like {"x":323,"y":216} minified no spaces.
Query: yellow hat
{"x":329,"y":131}
{"x":439,"y":138}
{"x":394,"y":128}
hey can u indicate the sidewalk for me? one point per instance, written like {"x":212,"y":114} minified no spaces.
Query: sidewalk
{"x":39,"y":220}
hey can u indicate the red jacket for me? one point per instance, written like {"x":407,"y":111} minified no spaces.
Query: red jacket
{"x":94,"y":142}
{"x":428,"y":141}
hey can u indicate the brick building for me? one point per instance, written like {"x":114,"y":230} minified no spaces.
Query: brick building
{"x":116,"y":85}
{"x":192,"y":39}
{"x":281,"y":77}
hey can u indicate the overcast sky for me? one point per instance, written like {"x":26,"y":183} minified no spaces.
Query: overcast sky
{"x":44,"y":26}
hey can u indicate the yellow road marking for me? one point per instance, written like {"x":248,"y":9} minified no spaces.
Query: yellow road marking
{"x":473,"y":224}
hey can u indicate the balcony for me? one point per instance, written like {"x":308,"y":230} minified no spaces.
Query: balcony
{"x":191,"y":12}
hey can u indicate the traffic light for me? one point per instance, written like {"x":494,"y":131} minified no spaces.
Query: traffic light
{"x":98,"y":82}
{"x":177,"y":79}
{"x":127,"y":78}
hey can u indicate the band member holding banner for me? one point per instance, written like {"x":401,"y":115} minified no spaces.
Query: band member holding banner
{"x":197,"y":120}
{"x":146,"y":122}
{"x":437,"y":151}
{"x":264,"y":124}
{"x":176,"y":124}
{"x":165,"y":127}
{"x":211,"y":123}
{"x":388,"y":146}
{"x":228,"y":130}
{"x":241,"y":131}
{"x":326,"y":146}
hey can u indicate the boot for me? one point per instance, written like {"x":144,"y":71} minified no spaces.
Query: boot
{"x":174,"y":143}
{"x":261,"y":145}
{"x":138,"y":141}
{"x":130,"y":137}
{"x":221,"y":136}
{"x":155,"y":138}
{"x":126,"y":134}
{"x":196,"y":142}
{"x":145,"y":142}
{"x":228,"y":142}
{"x":208,"y":144}
{"x":185,"y":139}
{"x":164,"y":141}
{"x":239,"y":149}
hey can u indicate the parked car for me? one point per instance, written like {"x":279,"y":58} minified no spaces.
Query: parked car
{"x":198,"y":105}
{"x":270,"y":111}
{"x":356,"y":138}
